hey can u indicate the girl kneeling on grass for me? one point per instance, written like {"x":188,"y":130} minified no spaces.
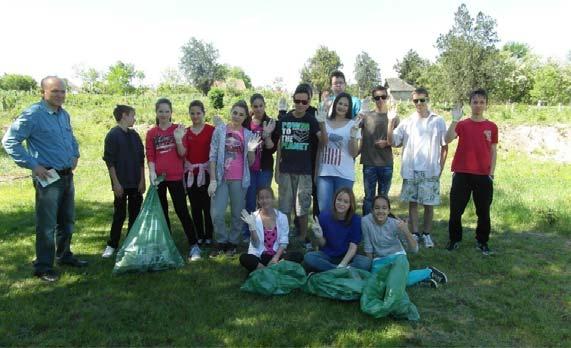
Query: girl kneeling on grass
{"x":338,"y":233}
{"x":383,"y":238}
{"x":165,"y":153}
{"x":269,"y":232}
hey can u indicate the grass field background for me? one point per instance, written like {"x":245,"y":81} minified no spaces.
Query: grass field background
{"x":521,"y":296}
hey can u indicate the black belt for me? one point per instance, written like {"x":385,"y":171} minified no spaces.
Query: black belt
{"x":62,"y":172}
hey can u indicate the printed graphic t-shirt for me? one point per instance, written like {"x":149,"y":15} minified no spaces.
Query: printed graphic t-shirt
{"x":295,"y":145}
{"x":335,"y":159}
{"x":234,"y":155}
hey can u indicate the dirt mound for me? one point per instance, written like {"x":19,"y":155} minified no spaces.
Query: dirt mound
{"x":547,"y":143}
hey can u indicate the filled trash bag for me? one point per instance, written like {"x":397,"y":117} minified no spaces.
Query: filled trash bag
{"x":148,"y":246}
{"x":344,"y":284}
{"x":384,"y":293}
{"x":277,"y":279}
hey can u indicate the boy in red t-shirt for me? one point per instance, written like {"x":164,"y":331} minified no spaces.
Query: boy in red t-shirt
{"x":473,"y":166}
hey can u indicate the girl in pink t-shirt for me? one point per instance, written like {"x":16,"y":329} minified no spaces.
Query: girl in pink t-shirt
{"x":232,"y":151}
{"x":165,"y":153}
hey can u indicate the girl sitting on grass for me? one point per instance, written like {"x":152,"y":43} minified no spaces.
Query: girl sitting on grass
{"x":269,"y":232}
{"x":383,"y":238}
{"x":338,"y":233}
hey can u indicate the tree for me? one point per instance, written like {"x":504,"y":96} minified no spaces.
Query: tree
{"x":15,"y":82}
{"x":318,"y":68}
{"x":552,"y":83}
{"x":367,"y":73}
{"x":216,"y":97}
{"x":468,"y":54}
{"x":90,"y":79}
{"x":411,"y":67}
{"x":238,"y":73}
{"x":199,"y":64}
{"x":119,"y":78}
{"x":516,"y":67}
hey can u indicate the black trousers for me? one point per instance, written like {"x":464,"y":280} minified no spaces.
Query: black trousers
{"x":481,"y":187}
{"x":178,"y":197}
{"x":200,"y":208}
{"x":131,"y":201}
{"x":250,"y":262}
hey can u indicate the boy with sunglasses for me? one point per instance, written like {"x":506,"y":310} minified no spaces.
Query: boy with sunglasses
{"x":376,"y":153}
{"x":422,"y":136}
{"x":295,"y":165}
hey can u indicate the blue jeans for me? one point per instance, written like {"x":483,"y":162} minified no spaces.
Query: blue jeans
{"x":55,"y":214}
{"x":320,"y":261}
{"x":326,"y":188}
{"x":414,"y":276}
{"x":376,"y":181}
{"x":258,"y":179}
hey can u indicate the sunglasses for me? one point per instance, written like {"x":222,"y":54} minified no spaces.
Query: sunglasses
{"x":303,"y":102}
{"x":379,"y":97}
{"x":421,"y":100}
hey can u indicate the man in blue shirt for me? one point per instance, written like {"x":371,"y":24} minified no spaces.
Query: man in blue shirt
{"x":52,"y":151}
{"x":338,"y":85}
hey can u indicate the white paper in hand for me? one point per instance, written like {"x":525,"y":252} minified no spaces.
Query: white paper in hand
{"x":54,"y":176}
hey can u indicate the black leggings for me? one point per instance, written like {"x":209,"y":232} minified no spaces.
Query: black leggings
{"x":200,"y":208}
{"x":176,"y":191}
{"x":250,"y":262}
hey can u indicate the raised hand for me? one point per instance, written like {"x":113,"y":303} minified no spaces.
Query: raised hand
{"x":217,"y":119}
{"x":321,"y":113}
{"x":392,"y":114}
{"x":254,"y":142}
{"x":249,"y":219}
{"x":212,"y":188}
{"x":356,"y":128}
{"x":269,"y":127}
{"x":365,"y":105}
{"x":179,"y":133}
{"x":316,"y":228}
{"x":457,"y":112}
{"x":282,"y":104}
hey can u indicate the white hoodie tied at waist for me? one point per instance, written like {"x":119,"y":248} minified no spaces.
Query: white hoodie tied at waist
{"x":202,"y":169}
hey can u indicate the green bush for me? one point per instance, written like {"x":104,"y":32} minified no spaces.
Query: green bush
{"x":15,"y":82}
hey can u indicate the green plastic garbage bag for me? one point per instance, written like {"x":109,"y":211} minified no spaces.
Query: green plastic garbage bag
{"x":277,"y":279}
{"x":384,"y":293}
{"x":344,"y":284}
{"x":148,"y":246}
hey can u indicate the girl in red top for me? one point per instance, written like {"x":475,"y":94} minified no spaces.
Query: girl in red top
{"x":196,"y":142}
{"x":165,"y":153}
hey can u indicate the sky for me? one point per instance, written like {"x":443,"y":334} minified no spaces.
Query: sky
{"x":268,"y":39}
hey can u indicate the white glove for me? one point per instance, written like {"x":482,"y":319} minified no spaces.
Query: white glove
{"x":316,"y":227}
{"x":212,"y":188}
{"x":365,"y":105}
{"x":269,"y":127}
{"x":179,"y":133}
{"x":356,"y":128}
{"x":392,"y":114}
{"x":152,"y":173}
{"x":253,"y":143}
{"x":217,"y":119}
{"x":321,"y":113}
{"x":457,"y":113}
{"x":282,"y":104}
{"x":249,"y":219}
{"x":342,"y":265}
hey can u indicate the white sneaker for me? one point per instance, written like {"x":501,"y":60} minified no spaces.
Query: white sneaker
{"x":194,"y":254}
{"x":428,"y":243}
{"x":308,"y":246}
{"x":108,"y":252}
{"x":208,"y":242}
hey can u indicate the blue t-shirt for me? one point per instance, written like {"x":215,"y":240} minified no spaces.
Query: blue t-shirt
{"x":338,"y":235}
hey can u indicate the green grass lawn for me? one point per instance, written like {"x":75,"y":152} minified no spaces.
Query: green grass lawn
{"x":521,"y":296}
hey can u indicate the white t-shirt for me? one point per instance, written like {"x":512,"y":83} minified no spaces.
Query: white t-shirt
{"x":420,"y":141}
{"x":335,"y":159}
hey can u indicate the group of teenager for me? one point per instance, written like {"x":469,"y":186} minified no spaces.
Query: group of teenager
{"x":315,"y":151}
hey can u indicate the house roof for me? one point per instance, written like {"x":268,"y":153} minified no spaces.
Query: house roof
{"x":398,"y":85}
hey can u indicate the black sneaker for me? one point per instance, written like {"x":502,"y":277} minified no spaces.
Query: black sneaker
{"x":49,"y":276}
{"x":73,"y":262}
{"x":230,"y":249}
{"x":483,"y":248}
{"x":438,"y":275}
{"x":431,"y":283}
{"x":452,"y":245}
